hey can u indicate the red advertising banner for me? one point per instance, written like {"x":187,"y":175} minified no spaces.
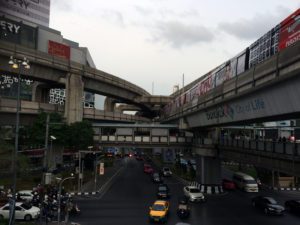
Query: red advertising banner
{"x":58,"y":49}
{"x":290,"y":31}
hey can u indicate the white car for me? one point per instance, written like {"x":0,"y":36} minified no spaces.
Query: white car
{"x":26,"y":195}
{"x":166,"y":171}
{"x":22,"y":211}
{"x":193,"y":193}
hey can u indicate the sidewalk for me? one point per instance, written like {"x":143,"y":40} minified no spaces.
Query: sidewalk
{"x":103,"y":183}
{"x":101,"y":179}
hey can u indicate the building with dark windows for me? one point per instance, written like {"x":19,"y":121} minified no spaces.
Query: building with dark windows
{"x":26,"y":23}
{"x":36,"y":11}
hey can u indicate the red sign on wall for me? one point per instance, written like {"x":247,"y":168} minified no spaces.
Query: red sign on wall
{"x":58,"y":49}
{"x":290,"y":30}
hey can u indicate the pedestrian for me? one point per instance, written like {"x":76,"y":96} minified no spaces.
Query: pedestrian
{"x":284,"y":139}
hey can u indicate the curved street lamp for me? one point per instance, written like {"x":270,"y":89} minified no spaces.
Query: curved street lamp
{"x":17,"y":64}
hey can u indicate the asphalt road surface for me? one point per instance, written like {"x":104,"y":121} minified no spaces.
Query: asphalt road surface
{"x":127,"y":203}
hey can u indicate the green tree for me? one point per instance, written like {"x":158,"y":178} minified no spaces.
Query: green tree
{"x":35,"y":134}
{"x":80,"y":135}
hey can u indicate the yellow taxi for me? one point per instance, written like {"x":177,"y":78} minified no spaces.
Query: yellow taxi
{"x":159,"y":211}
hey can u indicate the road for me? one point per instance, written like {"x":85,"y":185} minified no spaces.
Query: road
{"x":127,"y":202}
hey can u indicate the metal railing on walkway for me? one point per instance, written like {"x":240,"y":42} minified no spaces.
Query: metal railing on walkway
{"x":289,"y":148}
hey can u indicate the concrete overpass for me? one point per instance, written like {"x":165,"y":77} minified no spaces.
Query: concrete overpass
{"x":75,"y":78}
{"x":29,"y":110}
{"x":267,"y":91}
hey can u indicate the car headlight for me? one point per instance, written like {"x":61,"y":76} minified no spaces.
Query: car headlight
{"x":271,"y":209}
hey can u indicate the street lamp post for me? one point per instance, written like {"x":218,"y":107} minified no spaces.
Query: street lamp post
{"x":80,"y":174}
{"x":52,"y":138}
{"x":59,"y":196}
{"x":16,"y":64}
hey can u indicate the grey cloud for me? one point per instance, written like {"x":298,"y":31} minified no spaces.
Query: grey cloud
{"x":143,"y":11}
{"x":113,"y":16}
{"x":255,"y":27}
{"x":62,"y":5}
{"x":178,"y":34}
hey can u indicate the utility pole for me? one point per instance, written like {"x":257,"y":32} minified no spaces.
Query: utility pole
{"x":45,"y":160}
{"x":152,"y":87}
{"x":183,"y":83}
{"x":16,"y":64}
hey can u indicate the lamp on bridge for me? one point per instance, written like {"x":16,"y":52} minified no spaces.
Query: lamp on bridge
{"x":16,"y":64}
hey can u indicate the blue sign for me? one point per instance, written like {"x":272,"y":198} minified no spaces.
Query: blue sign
{"x":112,"y":150}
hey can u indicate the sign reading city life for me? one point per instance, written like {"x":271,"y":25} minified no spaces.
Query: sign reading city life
{"x":101,"y":171}
{"x":259,"y":104}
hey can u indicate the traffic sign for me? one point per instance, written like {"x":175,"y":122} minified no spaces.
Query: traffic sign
{"x":112,"y":150}
{"x":101,"y":168}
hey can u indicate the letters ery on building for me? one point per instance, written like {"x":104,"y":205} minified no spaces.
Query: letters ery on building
{"x":18,"y":33}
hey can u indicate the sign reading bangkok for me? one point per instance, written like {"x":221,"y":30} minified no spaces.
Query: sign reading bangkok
{"x":229,"y":111}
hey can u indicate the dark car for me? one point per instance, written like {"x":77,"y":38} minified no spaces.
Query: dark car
{"x":138,"y":157}
{"x":228,"y":184}
{"x":183,"y":209}
{"x":163,"y":191}
{"x":268,"y":205}
{"x":293,"y":206}
{"x":166,"y":172}
{"x":192,"y":163}
{"x":3,"y":201}
{"x":156,"y":178}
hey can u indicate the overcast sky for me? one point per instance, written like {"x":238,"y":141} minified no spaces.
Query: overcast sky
{"x":146,"y":41}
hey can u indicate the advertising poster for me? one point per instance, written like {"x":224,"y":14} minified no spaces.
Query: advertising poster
{"x":290,"y":32}
{"x":59,"y":50}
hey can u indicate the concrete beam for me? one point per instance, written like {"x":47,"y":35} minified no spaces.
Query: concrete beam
{"x":125,"y":107}
{"x":250,"y":96}
{"x":280,"y":162}
{"x":154,"y":99}
{"x":74,"y":93}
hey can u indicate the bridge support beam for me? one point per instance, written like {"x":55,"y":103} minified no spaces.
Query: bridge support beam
{"x":40,"y":92}
{"x":55,"y":156}
{"x":109,"y":104}
{"x":208,"y":170}
{"x":74,"y":94}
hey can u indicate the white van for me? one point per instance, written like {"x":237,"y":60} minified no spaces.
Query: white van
{"x":245,"y":182}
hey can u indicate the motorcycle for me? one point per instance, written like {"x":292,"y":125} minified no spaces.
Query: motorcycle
{"x":74,"y":210}
{"x":259,"y":184}
{"x":183,"y":209}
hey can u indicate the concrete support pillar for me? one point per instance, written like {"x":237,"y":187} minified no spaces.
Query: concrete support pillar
{"x":55,"y":155}
{"x":208,"y":170}
{"x":74,"y":94}
{"x":109,"y":104}
{"x":40,"y":92}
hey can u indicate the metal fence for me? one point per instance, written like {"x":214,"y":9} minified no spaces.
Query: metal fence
{"x":289,"y":148}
